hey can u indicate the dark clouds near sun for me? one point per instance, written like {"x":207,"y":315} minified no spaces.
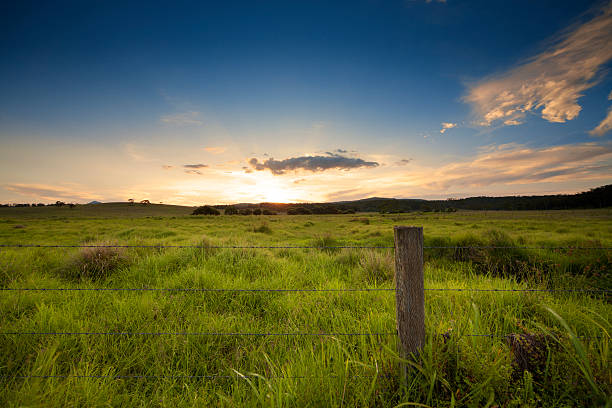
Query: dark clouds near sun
{"x":311,"y":163}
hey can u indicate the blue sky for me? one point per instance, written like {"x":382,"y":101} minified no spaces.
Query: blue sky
{"x":334,"y":100}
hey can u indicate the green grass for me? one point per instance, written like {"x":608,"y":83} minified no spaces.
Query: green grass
{"x":456,"y":370}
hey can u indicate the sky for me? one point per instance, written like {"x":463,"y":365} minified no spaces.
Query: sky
{"x":303,"y":101}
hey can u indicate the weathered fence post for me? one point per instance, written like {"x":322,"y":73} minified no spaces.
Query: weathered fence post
{"x":410,"y":290}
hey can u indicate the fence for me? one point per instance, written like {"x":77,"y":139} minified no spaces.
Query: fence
{"x":409,"y":295}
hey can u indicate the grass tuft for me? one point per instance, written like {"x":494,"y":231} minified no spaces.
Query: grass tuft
{"x":95,"y":263}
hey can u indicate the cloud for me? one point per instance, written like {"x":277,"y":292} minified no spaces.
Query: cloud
{"x":51,"y":193}
{"x":215,"y":150}
{"x":167,"y":167}
{"x":604,"y":127}
{"x":518,"y":164}
{"x":403,"y":162}
{"x":195,"y":166}
{"x":446,"y":126}
{"x":310,"y":163}
{"x":350,"y":194}
{"x":198,"y":172}
{"x":189,"y":118}
{"x":552,"y":81}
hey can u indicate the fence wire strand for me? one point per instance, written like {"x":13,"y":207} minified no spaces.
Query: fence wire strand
{"x":161,"y":246}
{"x":203,"y":334}
{"x":293,"y":290}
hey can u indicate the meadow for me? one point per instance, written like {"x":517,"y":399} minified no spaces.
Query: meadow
{"x":558,"y":354}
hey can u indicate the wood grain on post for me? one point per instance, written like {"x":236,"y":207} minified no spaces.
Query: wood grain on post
{"x":410,"y":289}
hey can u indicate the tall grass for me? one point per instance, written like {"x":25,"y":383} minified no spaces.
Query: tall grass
{"x":455,"y":368}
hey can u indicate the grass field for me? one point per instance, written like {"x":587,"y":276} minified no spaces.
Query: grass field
{"x":337,"y":370}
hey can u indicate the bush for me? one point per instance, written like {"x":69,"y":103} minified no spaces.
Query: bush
{"x":205,"y":210}
{"x":299,"y":211}
{"x":376,"y":266}
{"x":95,"y":263}
{"x":257,"y":211}
{"x":268,"y":212}
{"x":231,"y":210}
{"x":246,"y":211}
{"x":263,"y":228}
{"x":324,"y":243}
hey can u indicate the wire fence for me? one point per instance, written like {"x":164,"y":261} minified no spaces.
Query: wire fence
{"x":162,"y":246}
{"x":288,"y":290}
{"x":294,"y":290}
{"x":221,"y":334}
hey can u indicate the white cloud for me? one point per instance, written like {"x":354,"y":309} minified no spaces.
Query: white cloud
{"x":604,"y":127}
{"x":189,"y":118}
{"x":215,"y":149}
{"x":518,"y":164}
{"x":48,"y":192}
{"x":552,"y":81}
{"x":446,"y":126}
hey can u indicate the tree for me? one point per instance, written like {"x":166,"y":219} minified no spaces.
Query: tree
{"x":205,"y":210}
{"x":231,"y":210}
{"x":131,"y":201}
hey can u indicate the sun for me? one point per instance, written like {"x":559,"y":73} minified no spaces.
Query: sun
{"x":272,"y":191}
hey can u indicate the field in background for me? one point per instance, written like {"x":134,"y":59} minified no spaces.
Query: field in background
{"x":456,"y":369}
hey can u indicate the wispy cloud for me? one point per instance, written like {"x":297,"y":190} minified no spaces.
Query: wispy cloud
{"x":198,"y":172}
{"x":403,"y":162}
{"x":189,"y":118}
{"x":518,"y":164}
{"x":51,"y":193}
{"x":552,"y":81}
{"x":215,"y":149}
{"x":606,"y":125}
{"x":446,"y":126}
{"x":195,"y":166}
{"x":311,"y":163}
{"x":167,"y":167}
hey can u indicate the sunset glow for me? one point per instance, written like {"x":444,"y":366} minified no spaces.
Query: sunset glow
{"x":297,"y":103}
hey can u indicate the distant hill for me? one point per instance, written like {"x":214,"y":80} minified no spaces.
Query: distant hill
{"x":599,"y":197}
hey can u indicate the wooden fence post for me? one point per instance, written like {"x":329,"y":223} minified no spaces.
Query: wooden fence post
{"x":410,"y":290}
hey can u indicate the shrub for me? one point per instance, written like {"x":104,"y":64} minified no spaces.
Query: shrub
{"x":299,"y":211}
{"x":257,"y":211}
{"x":205,"y":210}
{"x":324,"y":243}
{"x":231,"y":210}
{"x":268,"y":212}
{"x":95,"y":263}
{"x":263,"y":228}
{"x":246,"y":211}
{"x":376,"y":266}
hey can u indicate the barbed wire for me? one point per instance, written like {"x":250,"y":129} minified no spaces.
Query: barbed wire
{"x":199,"y":290}
{"x":206,"y":377}
{"x":292,"y":290}
{"x":220,"y":334}
{"x":162,"y":246}
{"x":190,"y":334}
